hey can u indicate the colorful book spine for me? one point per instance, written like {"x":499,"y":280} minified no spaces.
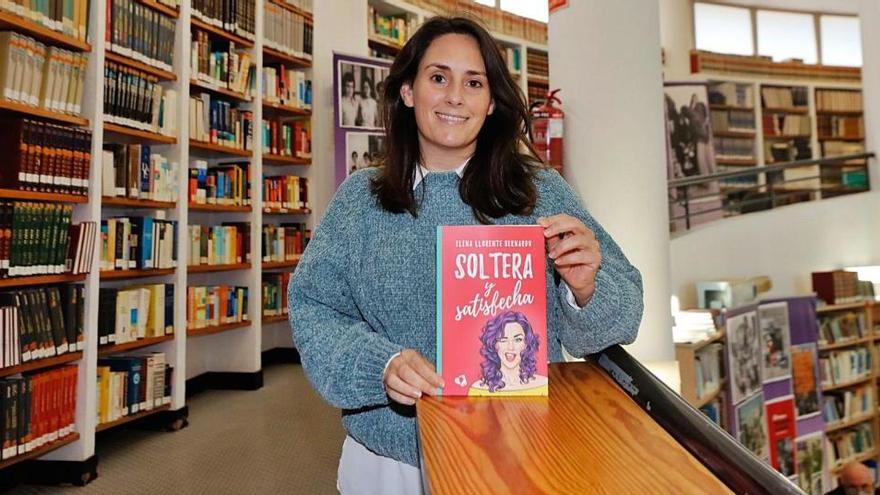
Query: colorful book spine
{"x":217,"y":122}
{"x":285,"y":242}
{"x":285,"y":192}
{"x":45,"y":157}
{"x":136,"y":99}
{"x":287,"y":32}
{"x":285,"y":138}
{"x":130,"y":384}
{"x":228,"y":184}
{"x":137,"y":243}
{"x":275,"y":293}
{"x":215,"y":305}
{"x":141,"y":33}
{"x":236,"y":16}
{"x":135,"y":313}
{"x":288,"y":87}
{"x":219,"y":64}
{"x":135,"y":171}
{"x":40,"y":323}
{"x":69,"y":17}
{"x":219,"y":244}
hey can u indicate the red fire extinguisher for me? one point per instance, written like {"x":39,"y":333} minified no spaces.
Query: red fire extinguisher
{"x":547,"y":130}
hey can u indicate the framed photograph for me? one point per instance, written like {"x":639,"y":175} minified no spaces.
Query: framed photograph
{"x":751,"y":429}
{"x":362,"y":150}
{"x":359,"y":87}
{"x":775,"y":341}
{"x":744,"y":355}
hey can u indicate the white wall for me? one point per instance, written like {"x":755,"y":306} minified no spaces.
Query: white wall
{"x":786,"y":243}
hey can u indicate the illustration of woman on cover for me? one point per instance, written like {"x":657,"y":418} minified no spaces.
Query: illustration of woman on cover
{"x":509,"y":365}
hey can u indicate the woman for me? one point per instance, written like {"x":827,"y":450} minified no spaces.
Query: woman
{"x":368,"y":107}
{"x":362,"y":298}
{"x":348,"y":100}
{"x":508,"y":350}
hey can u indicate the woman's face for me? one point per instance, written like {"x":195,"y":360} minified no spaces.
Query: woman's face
{"x":366,"y":92}
{"x":348,"y":89}
{"x":450,"y":95}
{"x":511,"y":345}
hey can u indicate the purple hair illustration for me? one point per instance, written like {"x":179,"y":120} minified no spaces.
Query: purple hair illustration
{"x":491,"y":365}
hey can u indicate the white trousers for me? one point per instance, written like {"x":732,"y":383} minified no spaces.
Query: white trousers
{"x":362,"y":472}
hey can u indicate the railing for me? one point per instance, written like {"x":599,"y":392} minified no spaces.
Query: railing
{"x":697,"y":200}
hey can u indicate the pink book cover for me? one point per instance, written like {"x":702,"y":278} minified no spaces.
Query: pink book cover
{"x":492,"y":310}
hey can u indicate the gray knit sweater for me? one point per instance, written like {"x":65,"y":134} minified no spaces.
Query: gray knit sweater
{"x":364,"y":290}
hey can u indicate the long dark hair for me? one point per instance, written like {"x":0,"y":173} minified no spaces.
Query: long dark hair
{"x":498,"y":178}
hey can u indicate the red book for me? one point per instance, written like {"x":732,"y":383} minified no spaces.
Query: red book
{"x":492,"y":310}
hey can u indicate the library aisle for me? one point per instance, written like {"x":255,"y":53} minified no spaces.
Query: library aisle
{"x":233,"y":448}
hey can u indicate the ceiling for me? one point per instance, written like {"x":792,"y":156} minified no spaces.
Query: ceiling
{"x":830,"y":6}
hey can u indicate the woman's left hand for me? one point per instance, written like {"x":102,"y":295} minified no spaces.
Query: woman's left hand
{"x":575,"y":253}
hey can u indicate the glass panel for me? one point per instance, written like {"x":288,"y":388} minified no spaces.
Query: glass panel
{"x":784,"y":35}
{"x":841,"y":40}
{"x":723,"y":29}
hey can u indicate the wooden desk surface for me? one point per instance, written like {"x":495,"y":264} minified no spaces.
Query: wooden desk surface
{"x":587,"y":437}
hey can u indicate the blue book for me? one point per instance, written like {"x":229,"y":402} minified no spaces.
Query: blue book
{"x":145,"y":259}
{"x":134,"y":368}
{"x":146,"y":172}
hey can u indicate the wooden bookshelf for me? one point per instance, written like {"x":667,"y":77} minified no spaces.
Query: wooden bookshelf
{"x":141,"y":136}
{"x":161,"y":74}
{"x":40,"y":451}
{"x":842,"y":138}
{"x":105,"y":350}
{"x":41,"y":280}
{"x":21,"y":108}
{"x":711,"y":396}
{"x":222,"y":33}
{"x":271,"y":265}
{"x":198,"y":332}
{"x":847,"y":343}
{"x":377,"y":43}
{"x":793,"y":136}
{"x":843,"y":113}
{"x":737,"y":162}
{"x":286,"y":160}
{"x":127,"y":274}
{"x":217,"y":268}
{"x":39,"y":364}
{"x":716,"y":106}
{"x":295,"y":111}
{"x":839,"y":425}
{"x":136,"y":203}
{"x":220,"y":208}
{"x":165,"y":9}
{"x":42,"y":196}
{"x":286,"y":211}
{"x":850,"y":383}
{"x":12,"y":22}
{"x":291,"y":8}
{"x":273,"y":319}
{"x":797,"y":110}
{"x":685,"y":354}
{"x":734,"y":134}
{"x":216,"y":148}
{"x":283,"y":57}
{"x":131,"y":417}
{"x":235,"y":95}
{"x":829,"y":308}
{"x":864,"y":456}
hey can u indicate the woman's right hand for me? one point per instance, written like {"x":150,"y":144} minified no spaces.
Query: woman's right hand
{"x":408,"y":376}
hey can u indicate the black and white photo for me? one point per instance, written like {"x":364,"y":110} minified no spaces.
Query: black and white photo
{"x":744,"y":355}
{"x":359,"y":92}
{"x":362,"y":150}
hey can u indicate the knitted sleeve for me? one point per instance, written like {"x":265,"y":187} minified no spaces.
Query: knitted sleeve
{"x":613,"y":314}
{"x":343,"y":357}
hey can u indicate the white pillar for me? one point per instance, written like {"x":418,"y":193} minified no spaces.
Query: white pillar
{"x":605,"y":55}
{"x":869,"y":16}
{"x":677,"y":37}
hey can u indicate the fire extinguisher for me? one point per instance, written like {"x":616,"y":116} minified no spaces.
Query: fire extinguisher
{"x":547,"y":129}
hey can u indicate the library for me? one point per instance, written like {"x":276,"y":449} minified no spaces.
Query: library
{"x":439,"y":246}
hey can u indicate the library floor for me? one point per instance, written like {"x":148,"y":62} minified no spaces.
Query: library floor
{"x":279,"y":439}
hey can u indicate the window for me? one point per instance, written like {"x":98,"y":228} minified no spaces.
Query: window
{"x":841,"y":40}
{"x":533,"y":9}
{"x":723,"y":29}
{"x":784,"y":35}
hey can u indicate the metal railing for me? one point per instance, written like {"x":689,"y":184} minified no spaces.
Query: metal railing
{"x":701,"y":199}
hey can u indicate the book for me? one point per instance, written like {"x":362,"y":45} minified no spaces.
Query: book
{"x":394,"y":29}
{"x":128,"y":384}
{"x":135,"y":171}
{"x":235,"y":16}
{"x":286,"y":138}
{"x":274,"y":298}
{"x":839,"y":100}
{"x":69,"y":17}
{"x":45,"y":157}
{"x":224,"y":244}
{"x":135,"y":99}
{"x":40,"y":323}
{"x":215,"y":305}
{"x":35,"y":239}
{"x":287,"y":32}
{"x":216,"y":121}
{"x":220,"y":64}
{"x":138,"y":243}
{"x":286,"y":86}
{"x":836,"y":287}
{"x":224,"y":184}
{"x":284,"y":242}
{"x":141,"y":33}
{"x":135,"y":313}
{"x":285,"y":192}
{"x":492,"y":310}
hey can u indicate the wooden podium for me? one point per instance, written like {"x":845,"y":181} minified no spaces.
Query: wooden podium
{"x":588,"y":436}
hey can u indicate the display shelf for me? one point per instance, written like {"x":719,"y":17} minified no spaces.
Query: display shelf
{"x":136,"y":203}
{"x":837,"y":386}
{"x":864,"y":456}
{"x":228,"y":93}
{"x":41,"y":280}
{"x":848,"y":343}
{"x":220,"y":208}
{"x":734,"y":134}
{"x":287,"y":211}
{"x":711,"y":396}
{"x":295,"y":111}
{"x":295,"y":10}
{"x":165,"y":9}
{"x":203,"y":146}
{"x":106,"y":350}
{"x":844,"y":113}
{"x":716,"y":106}
{"x":39,"y":364}
{"x":272,"y":265}
{"x":40,"y":451}
{"x":131,"y":417}
{"x":386,"y":46}
{"x":134,"y":273}
{"x":296,"y":62}
{"x":741,"y":162}
{"x":217,"y":268}
{"x":842,"y":138}
{"x":222,"y":33}
{"x":286,"y":160}
{"x":141,"y":136}
{"x":198,"y":332}
{"x":161,"y":74}
{"x":12,"y":22}
{"x":839,"y":425}
{"x":797,"y":110}
{"x":793,"y":136}
{"x":830,"y":308}
{"x":21,"y":108}
{"x":266,"y":320}
{"x":42,"y":196}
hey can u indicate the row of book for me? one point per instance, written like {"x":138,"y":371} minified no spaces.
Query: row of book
{"x":275,"y":293}
{"x":842,"y":447}
{"x":835,"y":126}
{"x":136,"y":99}
{"x":732,"y":94}
{"x":845,"y":405}
{"x":235,"y":16}
{"x":286,"y":86}
{"x":536,"y":93}
{"x":513,"y":57}
{"x":45,"y":157}
{"x":537,"y":63}
{"x":288,"y":32}
{"x":784,"y":97}
{"x":285,"y":192}
{"x":134,"y":313}
{"x":220,"y":64}
{"x":838,"y":100}
{"x":37,"y":75}
{"x":786,"y":125}
{"x":839,"y":148}
{"x":304,"y":5}
{"x":392,"y":28}
{"x":708,"y":368}
{"x":35,"y":239}
{"x":41,"y":322}
{"x":287,"y":138}
{"x":284,"y":242}
{"x":141,"y":33}
{"x":225,"y":184}
{"x":135,"y":171}
{"x":841,"y":327}
{"x":69,"y":17}
{"x":733,"y":120}
{"x":786,"y":151}
{"x":838,"y":367}
{"x":215,"y":121}
{"x":739,"y":181}
{"x":737,"y":148}
{"x":215,"y":305}
{"x":37,"y":409}
{"x":130,"y":384}
{"x":137,"y":243}
{"x":224,"y":244}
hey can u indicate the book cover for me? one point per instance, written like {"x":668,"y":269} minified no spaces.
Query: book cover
{"x":751,"y":428}
{"x":804,"y":380}
{"x":781,"y":432}
{"x":491,"y":310}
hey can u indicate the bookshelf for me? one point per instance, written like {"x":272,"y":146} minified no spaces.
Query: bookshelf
{"x":841,"y":130}
{"x":701,"y":370}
